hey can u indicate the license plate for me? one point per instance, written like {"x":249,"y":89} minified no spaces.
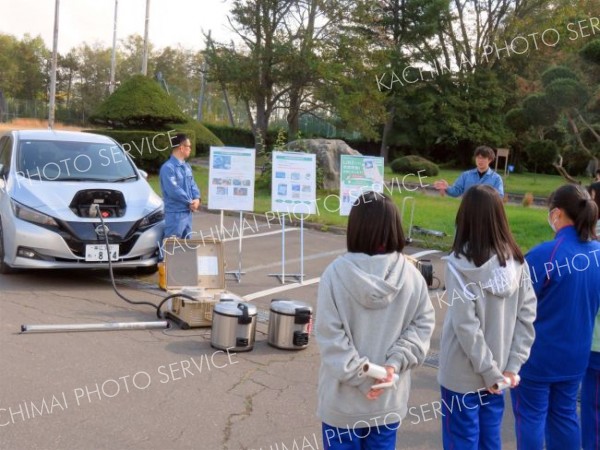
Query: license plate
{"x":96,"y":253}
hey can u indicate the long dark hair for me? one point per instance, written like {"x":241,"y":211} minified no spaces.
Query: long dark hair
{"x":577,"y":204}
{"x":482,"y":228}
{"x":374,"y":225}
{"x":595,"y":187}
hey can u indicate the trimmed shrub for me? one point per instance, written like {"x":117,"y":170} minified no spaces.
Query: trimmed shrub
{"x":148,"y":149}
{"x":541,"y":155}
{"x":539,"y":110}
{"x":138,"y":103}
{"x":594,"y":102}
{"x":414,"y":164}
{"x":566,"y":93}
{"x":204,"y":137}
{"x":239,"y":137}
{"x":575,"y":159}
{"x":591,"y":52}
{"x":557,"y":72}
{"x":233,"y":137}
{"x":517,"y":120}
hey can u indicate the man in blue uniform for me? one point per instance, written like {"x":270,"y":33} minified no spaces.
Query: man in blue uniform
{"x":180,"y":192}
{"x":482,"y":174}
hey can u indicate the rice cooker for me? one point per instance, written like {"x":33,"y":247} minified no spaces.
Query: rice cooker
{"x":290,"y":324}
{"x":233,"y":326}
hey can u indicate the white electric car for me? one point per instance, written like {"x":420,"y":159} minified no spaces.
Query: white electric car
{"x":54,"y":185}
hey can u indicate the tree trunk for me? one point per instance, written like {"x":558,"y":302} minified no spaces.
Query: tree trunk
{"x":588,"y":126}
{"x":293,"y":116}
{"x":250,"y":118}
{"x":384,"y":151}
{"x":69,"y":90}
{"x":578,"y":135}
{"x":227,"y":105}
{"x":262,"y":124}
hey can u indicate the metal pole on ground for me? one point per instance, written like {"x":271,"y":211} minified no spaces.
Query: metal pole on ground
{"x":115,"y":326}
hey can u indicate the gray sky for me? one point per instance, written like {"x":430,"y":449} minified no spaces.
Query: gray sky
{"x":172,"y":22}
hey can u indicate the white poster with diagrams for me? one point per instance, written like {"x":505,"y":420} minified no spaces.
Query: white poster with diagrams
{"x":231,"y":179}
{"x":358,"y":174}
{"x":294,"y":183}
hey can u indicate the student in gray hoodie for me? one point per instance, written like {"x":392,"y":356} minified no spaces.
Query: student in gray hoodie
{"x":488,"y":329}
{"x":373,"y":308}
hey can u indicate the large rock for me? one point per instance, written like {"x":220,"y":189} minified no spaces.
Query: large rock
{"x":328,"y":153}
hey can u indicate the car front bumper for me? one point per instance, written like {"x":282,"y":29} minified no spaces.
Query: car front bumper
{"x":53,"y":252}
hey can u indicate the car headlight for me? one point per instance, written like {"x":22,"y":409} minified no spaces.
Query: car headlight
{"x":31,"y":215}
{"x":152,"y":218}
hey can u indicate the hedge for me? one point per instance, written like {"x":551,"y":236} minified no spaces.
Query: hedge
{"x":148,"y":149}
{"x":233,"y":137}
{"x":239,"y":137}
{"x":414,"y":164}
{"x":204,"y":137}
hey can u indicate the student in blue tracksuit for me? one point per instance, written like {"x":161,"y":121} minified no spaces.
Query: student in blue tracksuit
{"x":590,"y":387}
{"x":180,"y":191}
{"x":565,"y":274}
{"x":482,"y":174}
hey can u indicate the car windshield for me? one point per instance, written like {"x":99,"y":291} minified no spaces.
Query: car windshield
{"x":73,"y":161}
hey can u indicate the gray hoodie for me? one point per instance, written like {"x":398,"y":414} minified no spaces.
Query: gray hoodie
{"x":370,"y":309}
{"x":488,"y":328}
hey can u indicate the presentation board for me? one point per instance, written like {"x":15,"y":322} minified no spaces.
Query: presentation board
{"x":294,"y":183}
{"x":231,"y":178}
{"x":358,"y":174}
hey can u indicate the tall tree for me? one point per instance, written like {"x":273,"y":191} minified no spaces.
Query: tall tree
{"x":395,"y":30}
{"x":94,"y":75}
{"x":131,"y":55}
{"x":68,"y":67}
{"x":180,"y":70}
{"x":23,"y":67}
{"x":255,"y":72}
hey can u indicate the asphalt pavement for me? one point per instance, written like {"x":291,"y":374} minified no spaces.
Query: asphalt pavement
{"x":169,"y":389}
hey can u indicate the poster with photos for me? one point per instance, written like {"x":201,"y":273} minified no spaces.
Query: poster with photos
{"x":231,"y":177}
{"x":358,"y":174}
{"x":294,"y":183}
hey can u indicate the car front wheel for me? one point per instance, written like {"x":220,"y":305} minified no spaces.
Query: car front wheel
{"x":4,"y":268}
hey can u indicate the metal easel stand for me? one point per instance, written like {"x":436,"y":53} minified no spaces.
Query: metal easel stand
{"x":237,"y":273}
{"x":412,"y":215}
{"x":296,"y":276}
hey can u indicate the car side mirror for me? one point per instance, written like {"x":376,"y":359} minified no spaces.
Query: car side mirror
{"x":144,"y":174}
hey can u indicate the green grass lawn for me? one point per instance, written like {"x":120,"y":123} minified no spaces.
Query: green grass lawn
{"x":540,"y":185}
{"x":529,"y":225}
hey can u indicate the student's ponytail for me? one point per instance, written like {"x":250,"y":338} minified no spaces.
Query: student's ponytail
{"x":579,"y":207}
{"x":588,"y":213}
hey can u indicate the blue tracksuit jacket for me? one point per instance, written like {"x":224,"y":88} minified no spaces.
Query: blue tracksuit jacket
{"x":471,"y":178}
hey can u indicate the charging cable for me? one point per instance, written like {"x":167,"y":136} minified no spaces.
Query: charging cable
{"x":114,"y":285}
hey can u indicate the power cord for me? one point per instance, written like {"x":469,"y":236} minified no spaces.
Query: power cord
{"x":114,"y":285}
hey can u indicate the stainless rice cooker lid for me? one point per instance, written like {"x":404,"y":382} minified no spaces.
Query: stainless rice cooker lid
{"x":235,"y":308}
{"x":289,"y":307}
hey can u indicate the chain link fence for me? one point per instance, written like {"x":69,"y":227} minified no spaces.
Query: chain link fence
{"x":214,"y":112}
{"x":11,"y":109}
